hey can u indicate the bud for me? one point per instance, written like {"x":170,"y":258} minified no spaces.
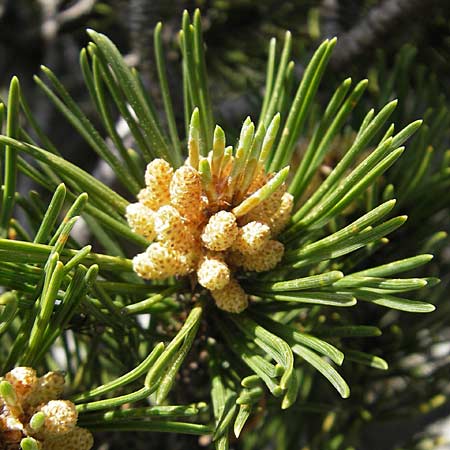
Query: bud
{"x":8,"y":394}
{"x":141,"y":220}
{"x":30,"y":443}
{"x":231,"y":298}
{"x":76,"y":439}
{"x":171,"y":229}
{"x":267,"y":208}
{"x":252,"y":237}
{"x":259,"y":180}
{"x":265,"y":259}
{"x":23,"y":380}
{"x":37,"y":421}
{"x":186,"y":193}
{"x":213,"y":273}
{"x":60,"y":417}
{"x":157,"y":262}
{"x":220,"y":232}
{"x":281,"y":218}
{"x":48,"y":387}
{"x":157,"y":178}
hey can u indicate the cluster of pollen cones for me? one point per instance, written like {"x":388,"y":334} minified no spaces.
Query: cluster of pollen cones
{"x":30,"y":410}
{"x":213,"y":216}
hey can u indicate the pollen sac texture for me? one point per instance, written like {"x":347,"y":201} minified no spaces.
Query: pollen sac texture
{"x":32,"y":396}
{"x":220,"y":232}
{"x":157,"y":178}
{"x":187,"y":216}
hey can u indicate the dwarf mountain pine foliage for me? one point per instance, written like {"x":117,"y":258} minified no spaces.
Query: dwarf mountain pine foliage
{"x":228,"y":276}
